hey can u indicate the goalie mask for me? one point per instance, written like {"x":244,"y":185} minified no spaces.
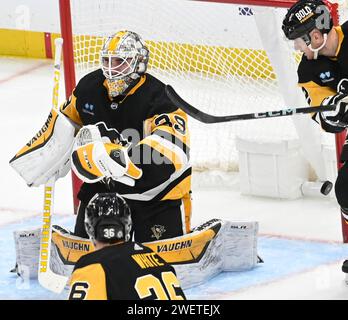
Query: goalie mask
{"x":108,"y":218}
{"x":305,"y":16}
{"x":124,"y":58}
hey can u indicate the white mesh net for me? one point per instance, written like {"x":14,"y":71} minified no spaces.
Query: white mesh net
{"x":211,"y":53}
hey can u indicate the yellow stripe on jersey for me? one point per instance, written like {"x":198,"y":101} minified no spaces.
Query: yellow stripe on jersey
{"x":178,"y":120}
{"x":182,"y":140}
{"x":88,"y":283}
{"x":180,"y":190}
{"x":68,"y":108}
{"x":316,"y":93}
{"x":41,"y":137}
{"x":147,"y":126}
{"x":169,"y":154}
{"x":174,"y":123}
{"x":187,"y":202}
{"x":137,"y":86}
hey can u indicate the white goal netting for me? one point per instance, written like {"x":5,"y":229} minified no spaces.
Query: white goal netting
{"x":216,"y":57}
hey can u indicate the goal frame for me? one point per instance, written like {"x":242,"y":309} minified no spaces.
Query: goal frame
{"x":70,"y":75}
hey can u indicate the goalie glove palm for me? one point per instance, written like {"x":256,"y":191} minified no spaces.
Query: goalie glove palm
{"x":94,"y":160}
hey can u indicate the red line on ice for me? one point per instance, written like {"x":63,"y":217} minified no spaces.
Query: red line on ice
{"x":23,"y":72}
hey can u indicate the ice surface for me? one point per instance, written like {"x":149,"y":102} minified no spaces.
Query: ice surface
{"x":300,"y":240}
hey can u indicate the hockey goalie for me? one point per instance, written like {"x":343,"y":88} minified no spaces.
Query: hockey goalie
{"x":120,"y":133}
{"x":198,"y":255}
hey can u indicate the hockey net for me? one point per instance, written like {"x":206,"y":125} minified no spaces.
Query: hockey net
{"x":214,"y":54}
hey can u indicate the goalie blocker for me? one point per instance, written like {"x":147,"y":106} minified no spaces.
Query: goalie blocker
{"x":211,"y":248}
{"x":47,"y":153}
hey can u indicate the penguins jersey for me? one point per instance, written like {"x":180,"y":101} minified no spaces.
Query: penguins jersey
{"x":319,"y":78}
{"x":145,"y":116}
{"x":126,"y":271}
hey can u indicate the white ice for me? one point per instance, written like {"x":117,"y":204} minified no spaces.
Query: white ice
{"x":25,"y":99}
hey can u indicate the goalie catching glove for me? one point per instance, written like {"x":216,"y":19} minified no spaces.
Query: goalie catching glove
{"x":101,"y":153}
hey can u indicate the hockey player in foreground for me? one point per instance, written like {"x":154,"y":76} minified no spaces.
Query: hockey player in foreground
{"x":323,"y":75}
{"x":130,"y":140}
{"x":119,"y":269}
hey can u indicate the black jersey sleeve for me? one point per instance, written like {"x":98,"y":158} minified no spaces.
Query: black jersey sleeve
{"x":166,"y":143}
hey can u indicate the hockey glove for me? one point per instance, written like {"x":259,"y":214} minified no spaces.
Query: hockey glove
{"x":337,"y":120}
{"x":95,"y":157}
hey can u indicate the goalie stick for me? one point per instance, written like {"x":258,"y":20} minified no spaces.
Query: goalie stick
{"x":208,"y":118}
{"x":47,"y":278}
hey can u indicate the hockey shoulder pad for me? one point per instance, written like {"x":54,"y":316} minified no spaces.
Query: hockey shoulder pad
{"x":47,"y":153}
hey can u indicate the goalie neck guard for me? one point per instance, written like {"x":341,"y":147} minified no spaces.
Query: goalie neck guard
{"x":108,"y":218}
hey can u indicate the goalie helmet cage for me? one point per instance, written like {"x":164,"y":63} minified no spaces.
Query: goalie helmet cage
{"x":214,"y":53}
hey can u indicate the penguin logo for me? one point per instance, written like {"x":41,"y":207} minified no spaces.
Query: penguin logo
{"x":114,"y":105}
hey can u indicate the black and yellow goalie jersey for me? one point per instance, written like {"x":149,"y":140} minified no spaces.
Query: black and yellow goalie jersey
{"x":127,"y":271}
{"x":157,"y":130}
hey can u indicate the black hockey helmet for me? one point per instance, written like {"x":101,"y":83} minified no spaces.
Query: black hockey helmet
{"x":304,"y":16}
{"x":108,"y":218}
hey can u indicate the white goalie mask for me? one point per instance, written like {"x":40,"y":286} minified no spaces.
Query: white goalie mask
{"x":124,"y":58}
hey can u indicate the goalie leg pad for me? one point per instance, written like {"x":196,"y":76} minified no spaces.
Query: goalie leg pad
{"x":66,"y":250}
{"x":240,"y":245}
{"x":27,"y":246}
{"x":209,"y":249}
